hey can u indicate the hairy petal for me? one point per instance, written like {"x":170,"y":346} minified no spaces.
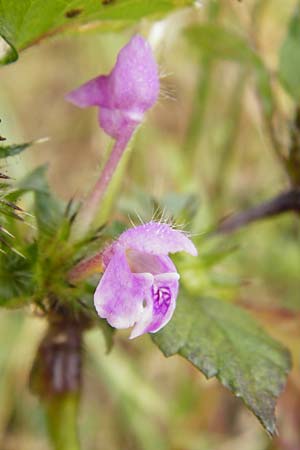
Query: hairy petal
{"x":140,"y":285}
{"x":161,"y":303}
{"x":120,"y":293}
{"x":140,"y":262}
{"x":157,"y":239}
{"x":126,"y":93}
{"x":134,"y":81}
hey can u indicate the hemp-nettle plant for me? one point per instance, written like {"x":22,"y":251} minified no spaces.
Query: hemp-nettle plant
{"x":87,"y":273}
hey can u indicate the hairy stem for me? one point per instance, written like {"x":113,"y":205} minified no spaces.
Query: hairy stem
{"x":90,"y":207}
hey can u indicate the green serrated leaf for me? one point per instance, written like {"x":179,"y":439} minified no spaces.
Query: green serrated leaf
{"x":22,"y":23}
{"x":224,"y":341}
{"x":289,"y":58}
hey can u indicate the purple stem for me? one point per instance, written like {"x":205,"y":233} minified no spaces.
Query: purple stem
{"x":90,"y":206}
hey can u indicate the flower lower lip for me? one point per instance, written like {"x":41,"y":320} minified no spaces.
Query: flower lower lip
{"x":161,"y":298}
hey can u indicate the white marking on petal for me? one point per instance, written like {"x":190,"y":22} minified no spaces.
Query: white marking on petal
{"x":166,"y":276}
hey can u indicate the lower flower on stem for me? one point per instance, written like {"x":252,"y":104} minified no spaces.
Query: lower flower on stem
{"x":140,"y":284}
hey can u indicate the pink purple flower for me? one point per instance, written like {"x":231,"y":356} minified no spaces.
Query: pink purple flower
{"x":126,"y":93}
{"x":140,"y":283}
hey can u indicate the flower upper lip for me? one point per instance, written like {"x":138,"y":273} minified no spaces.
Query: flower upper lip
{"x":131,"y":88}
{"x":157,"y":238}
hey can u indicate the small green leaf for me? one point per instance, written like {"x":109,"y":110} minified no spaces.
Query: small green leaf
{"x":12,"y":150}
{"x":15,"y":149}
{"x":24,"y":22}
{"x":224,"y":341}
{"x":289,"y":58}
{"x":108,"y":333}
{"x":16,"y":281}
{"x":48,"y":210}
{"x":182,"y":206}
{"x":35,"y":181}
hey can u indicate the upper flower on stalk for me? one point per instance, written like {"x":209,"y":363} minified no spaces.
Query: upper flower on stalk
{"x":126,"y":93}
{"x":140,"y":284}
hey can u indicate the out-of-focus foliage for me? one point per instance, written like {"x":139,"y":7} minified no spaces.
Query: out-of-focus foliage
{"x":218,"y":42}
{"x":289,"y":67}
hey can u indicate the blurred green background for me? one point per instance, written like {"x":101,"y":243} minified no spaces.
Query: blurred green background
{"x":206,"y":137}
